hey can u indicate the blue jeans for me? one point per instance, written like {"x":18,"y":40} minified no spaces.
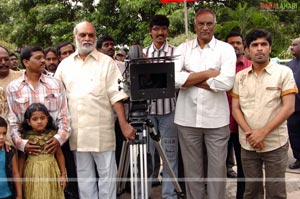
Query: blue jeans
{"x":169,"y":141}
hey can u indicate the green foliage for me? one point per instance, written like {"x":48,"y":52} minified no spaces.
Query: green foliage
{"x":40,"y":23}
{"x":10,"y":47}
{"x":244,"y":19}
{"x":176,"y":41}
{"x":49,"y":22}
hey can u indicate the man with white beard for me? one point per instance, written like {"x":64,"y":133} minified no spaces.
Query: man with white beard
{"x":91,"y":81}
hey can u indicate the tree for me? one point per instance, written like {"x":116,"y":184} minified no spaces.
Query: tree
{"x":244,"y":19}
{"x":49,"y":22}
{"x":40,"y":22}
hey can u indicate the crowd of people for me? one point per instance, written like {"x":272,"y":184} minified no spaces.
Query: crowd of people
{"x":64,"y":118}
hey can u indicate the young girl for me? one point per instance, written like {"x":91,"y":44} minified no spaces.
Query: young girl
{"x":8,"y":168}
{"x":44,"y":174}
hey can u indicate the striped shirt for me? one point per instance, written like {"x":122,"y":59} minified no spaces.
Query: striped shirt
{"x":166,"y":105}
{"x":50,"y":92}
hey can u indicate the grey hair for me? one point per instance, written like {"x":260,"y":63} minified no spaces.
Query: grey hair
{"x":205,"y":10}
{"x":75,"y":30}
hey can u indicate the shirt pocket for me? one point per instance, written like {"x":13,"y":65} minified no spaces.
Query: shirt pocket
{"x":272,"y":95}
{"x":21,"y":104}
{"x":51,"y":102}
{"x":97,"y":87}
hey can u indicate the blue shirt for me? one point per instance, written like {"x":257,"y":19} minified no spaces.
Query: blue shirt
{"x":5,"y":191}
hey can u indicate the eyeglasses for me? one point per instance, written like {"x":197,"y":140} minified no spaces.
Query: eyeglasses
{"x":163,"y":28}
{"x":208,"y":24}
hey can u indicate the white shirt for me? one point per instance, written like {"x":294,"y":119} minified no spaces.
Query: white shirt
{"x":197,"y":107}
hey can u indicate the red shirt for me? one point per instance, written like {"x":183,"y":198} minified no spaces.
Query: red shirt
{"x":240,"y":65}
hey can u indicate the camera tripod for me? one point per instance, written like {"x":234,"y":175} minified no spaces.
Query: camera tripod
{"x":137,"y":157}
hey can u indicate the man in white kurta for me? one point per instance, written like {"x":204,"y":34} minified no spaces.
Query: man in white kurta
{"x":91,"y":81}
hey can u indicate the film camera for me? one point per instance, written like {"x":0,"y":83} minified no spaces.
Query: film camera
{"x":147,"y":79}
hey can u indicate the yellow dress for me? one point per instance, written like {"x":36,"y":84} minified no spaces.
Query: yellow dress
{"x":41,"y":172}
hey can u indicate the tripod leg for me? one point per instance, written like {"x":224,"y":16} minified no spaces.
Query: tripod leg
{"x":135,"y":149}
{"x":126,"y":168}
{"x":144,"y":149}
{"x":121,"y":171}
{"x":142,"y":178}
{"x":167,"y":166}
{"x":132,"y":170}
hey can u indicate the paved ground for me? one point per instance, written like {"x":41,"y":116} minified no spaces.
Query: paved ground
{"x":292,"y":185}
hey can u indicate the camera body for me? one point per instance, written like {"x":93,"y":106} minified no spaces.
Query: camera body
{"x":146,"y":79}
{"x":150,"y":81}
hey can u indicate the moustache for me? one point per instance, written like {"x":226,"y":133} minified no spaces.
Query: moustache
{"x":4,"y":66}
{"x":260,"y":54}
{"x":87,"y":42}
{"x":52,"y":66}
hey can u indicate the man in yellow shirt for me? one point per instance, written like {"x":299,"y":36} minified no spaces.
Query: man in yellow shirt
{"x":263,"y":97}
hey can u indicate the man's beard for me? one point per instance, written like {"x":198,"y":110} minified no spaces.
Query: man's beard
{"x":85,"y":47}
{"x":239,"y":54}
{"x":51,"y":68}
{"x":111,"y":52}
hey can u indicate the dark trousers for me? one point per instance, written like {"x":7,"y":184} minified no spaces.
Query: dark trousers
{"x":234,"y":142}
{"x":9,"y":197}
{"x":275,"y":163}
{"x":294,"y":133}
{"x":119,"y":141}
{"x":230,"y":157}
{"x":71,"y":191}
{"x":118,"y":152}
